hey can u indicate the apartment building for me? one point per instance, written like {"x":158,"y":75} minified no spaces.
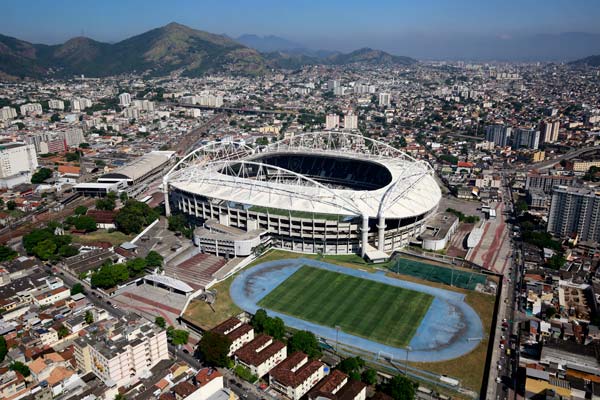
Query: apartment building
{"x":238,"y":332}
{"x":296,"y":375}
{"x":575,"y":211}
{"x":261,"y":355}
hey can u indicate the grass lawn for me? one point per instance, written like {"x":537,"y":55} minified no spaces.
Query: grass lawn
{"x":115,"y":238}
{"x":207,"y":318}
{"x":373,"y":310}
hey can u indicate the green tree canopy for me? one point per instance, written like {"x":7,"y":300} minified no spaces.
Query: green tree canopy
{"x":21,"y":368}
{"x":81,"y":210}
{"x":106,"y":204}
{"x":3,"y":348}
{"x":153,"y":259}
{"x":179,"y":337}
{"x":262,"y":323}
{"x":214,"y":349}
{"x":369,"y":376}
{"x":305,"y":342}
{"x":352,"y":366}
{"x":77,"y":288}
{"x":134,"y":217}
{"x":110,"y":275}
{"x":89,"y":317}
{"x":41,"y":175}
{"x":7,"y":254}
{"x":160,"y":321}
{"x":400,"y":388}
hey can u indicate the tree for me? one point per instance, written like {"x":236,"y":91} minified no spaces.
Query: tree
{"x":41,"y":175}
{"x":153,"y":259}
{"x":557,"y":261}
{"x":369,"y":376}
{"x":67,"y":251}
{"x":258,"y":320}
{"x":85,"y":223}
{"x":550,"y":312}
{"x":11,"y":205}
{"x":3,"y":349}
{"x":89,"y":317}
{"x":400,"y":388}
{"x":275,"y":327}
{"x":110,"y":275}
{"x":21,"y":368}
{"x":77,"y":288}
{"x":45,"y":249}
{"x":81,"y":210}
{"x":179,"y":337}
{"x":123,"y":197}
{"x":55,"y":117}
{"x":106,"y":204}
{"x":136,"y":266}
{"x":305,"y":342}
{"x":134,"y":217}
{"x":62,"y":331}
{"x":352,"y":366}
{"x":84,"y":145}
{"x":214,"y":348}
{"x":160,"y":321}
{"x":72,"y":156}
{"x":7,"y":254}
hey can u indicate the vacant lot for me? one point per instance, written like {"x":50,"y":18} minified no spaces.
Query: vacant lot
{"x":376,"y":311}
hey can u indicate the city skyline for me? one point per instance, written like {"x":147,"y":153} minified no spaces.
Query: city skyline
{"x":428,"y":30}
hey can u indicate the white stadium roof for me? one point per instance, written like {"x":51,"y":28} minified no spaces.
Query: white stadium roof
{"x":411,"y":192}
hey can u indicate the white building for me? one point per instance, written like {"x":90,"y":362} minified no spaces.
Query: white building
{"x":31,"y":109}
{"x":238,"y":332}
{"x":122,"y":357}
{"x":131,"y":112}
{"x":350,"y":122}
{"x":549,"y":131}
{"x":296,"y":375}
{"x":124,"y":99}
{"x":17,"y":158}
{"x":332,"y":121}
{"x":56,"y":104}
{"x":143,"y":105}
{"x":80,"y":104}
{"x":261,"y":355}
{"x":384,"y":99}
{"x":7,"y":113}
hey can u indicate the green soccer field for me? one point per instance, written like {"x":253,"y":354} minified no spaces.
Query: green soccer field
{"x":376,"y":311}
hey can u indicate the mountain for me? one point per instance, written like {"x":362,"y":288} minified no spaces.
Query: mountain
{"x":370,"y":56}
{"x":268,"y":43}
{"x":167,"y":49}
{"x":158,"y":51}
{"x":592,"y":61}
{"x":294,"y":60}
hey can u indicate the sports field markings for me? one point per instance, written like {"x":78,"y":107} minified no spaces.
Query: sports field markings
{"x":383,"y":313}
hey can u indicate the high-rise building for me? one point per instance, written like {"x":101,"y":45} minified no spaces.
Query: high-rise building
{"x":332,"y":121}
{"x":17,"y":158}
{"x":7,"y":113}
{"x":123,"y":355}
{"x":31,"y":109}
{"x":527,"y":138}
{"x":575,"y":211}
{"x":350,"y":122}
{"x":124,"y":99}
{"x":549,"y":131}
{"x":56,"y":104}
{"x":499,"y":134}
{"x":384,"y":99}
{"x":332,"y":84}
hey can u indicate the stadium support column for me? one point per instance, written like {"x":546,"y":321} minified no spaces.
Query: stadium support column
{"x":381,"y":233}
{"x":166,"y":193}
{"x":364,"y":235}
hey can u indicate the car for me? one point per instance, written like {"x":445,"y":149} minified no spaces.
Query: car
{"x":501,"y":346}
{"x":186,"y":351}
{"x":498,"y":379}
{"x":499,"y":367}
{"x":238,"y":384}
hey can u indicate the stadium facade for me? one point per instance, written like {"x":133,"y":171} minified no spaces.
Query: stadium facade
{"x":318,"y":192}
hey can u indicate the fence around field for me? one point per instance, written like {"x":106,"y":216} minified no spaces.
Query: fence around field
{"x":438,"y":274}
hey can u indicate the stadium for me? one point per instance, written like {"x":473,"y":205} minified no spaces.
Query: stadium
{"x":318,"y":192}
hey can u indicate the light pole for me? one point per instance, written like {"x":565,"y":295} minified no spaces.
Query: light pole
{"x":337,"y":337}
{"x":408,"y":349}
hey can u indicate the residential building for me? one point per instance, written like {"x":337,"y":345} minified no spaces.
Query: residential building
{"x":296,"y":375}
{"x":575,"y":211}
{"x":237,"y":331}
{"x":124,"y":99}
{"x":385,"y":99}
{"x":17,"y":158}
{"x":7,"y":113}
{"x":498,"y":134}
{"x":332,"y":121}
{"x":350,"y":122}
{"x":261,"y":355}
{"x":31,"y":109}
{"x":526,"y":138}
{"x":337,"y":386}
{"x":54,"y":104}
{"x":549,"y":131}
{"x":129,"y":352}
{"x":546,"y":182}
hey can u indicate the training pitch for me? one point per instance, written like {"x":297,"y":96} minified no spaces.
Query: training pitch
{"x":383,"y":313}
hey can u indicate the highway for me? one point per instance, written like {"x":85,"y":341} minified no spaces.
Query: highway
{"x":567,"y":156}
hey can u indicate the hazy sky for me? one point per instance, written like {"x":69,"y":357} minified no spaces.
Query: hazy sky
{"x":399,"y":26}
